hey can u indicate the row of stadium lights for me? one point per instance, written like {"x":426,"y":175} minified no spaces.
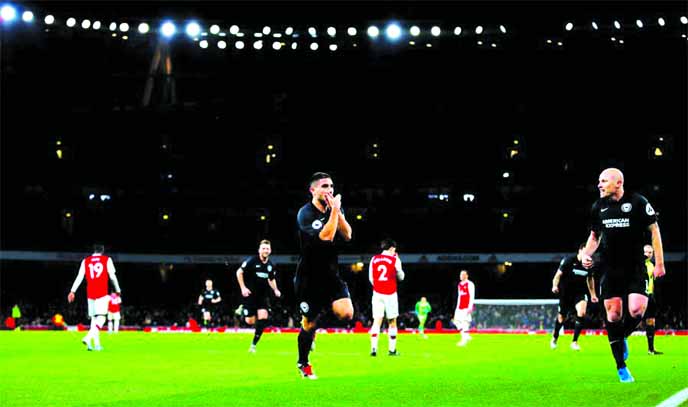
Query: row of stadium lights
{"x":168,"y":29}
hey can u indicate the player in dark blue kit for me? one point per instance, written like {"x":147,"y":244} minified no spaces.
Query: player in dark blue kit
{"x":208,"y":301}
{"x":317,"y":283}
{"x":256,"y":278}
{"x":575,"y":284}
{"x":620,"y":224}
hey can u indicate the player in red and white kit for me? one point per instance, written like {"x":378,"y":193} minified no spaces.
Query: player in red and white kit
{"x":98,"y":269}
{"x":383,"y":272}
{"x":464,"y":307}
{"x":114,"y":313}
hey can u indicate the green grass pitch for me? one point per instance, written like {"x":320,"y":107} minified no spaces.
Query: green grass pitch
{"x":143,"y":369}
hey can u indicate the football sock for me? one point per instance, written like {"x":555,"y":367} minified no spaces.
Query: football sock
{"x":616,"y":342}
{"x":305,"y":340}
{"x":260,"y":325}
{"x":392,"y":332}
{"x":557,"y":328}
{"x":577,"y":329}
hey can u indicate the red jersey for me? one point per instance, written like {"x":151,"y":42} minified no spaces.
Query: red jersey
{"x":466,"y":293}
{"x":97,"y":276}
{"x":115,"y":303}
{"x":383,"y":273}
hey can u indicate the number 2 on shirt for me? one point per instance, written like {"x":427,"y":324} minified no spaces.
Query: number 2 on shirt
{"x":383,"y":272}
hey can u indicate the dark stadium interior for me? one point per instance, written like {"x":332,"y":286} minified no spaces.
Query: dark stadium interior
{"x":191,"y":176}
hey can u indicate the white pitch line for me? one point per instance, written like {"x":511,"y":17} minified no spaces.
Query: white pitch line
{"x":676,"y":399}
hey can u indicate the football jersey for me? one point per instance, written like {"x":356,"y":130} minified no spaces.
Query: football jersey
{"x":97,"y":276}
{"x":466,"y":292}
{"x":622,"y":228}
{"x":209,"y":296}
{"x":383,"y":273}
{"x":318,"y":258}
{"x":257,"y":273}
{"x":574,"y":275}
{"x":115,"y":303}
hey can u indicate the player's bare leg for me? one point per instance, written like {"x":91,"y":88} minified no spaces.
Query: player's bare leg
{"x":343,"y":309}
{"x":581,"y":308}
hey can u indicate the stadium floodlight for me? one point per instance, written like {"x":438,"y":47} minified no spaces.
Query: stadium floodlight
{"x":333,"y":47}
{"x":8,"y":13}
{"x":27,"y":16}
{"x":595,"y":26}
{"x":502,"y":29}
{"x":414,"y":31}
{"x":314,"y":46}
{"x":91,"y":197}
{"x":221,"y":44}
{"x":561,"y":44}
{"x":258,"y":44}
{"x":457,"y":30}
{"x":639,"y":23}
{"x":312,"y":32}
{"x":373,"y":31}
{"x":493,"y":45}
{"x":613,"y":39}
{"x":105,"y":197}
{"x":569,"y":26}
{"x":331,"y":31}
{"x":549,"y":41}
{"x":203,"y":44}
{"x":435,"y":31}
{"x":113,"y":27}
{"x":49,"y":19}
{"x":661,"y":22}
{"x":234,"y":29}
{"x":239,"y":45}
{"x":480,"y":42}
{"x":168,"y":29}
{"x":684,"y":20}
{"x":506,"y":174}
{"x":617,"y":24}
{"x":294,"y":45}
{"x":143,"y":28}
{"x":124,"y":27}
{"x":214,"y":29}
{"x":71,"y":22}
{"x":468,"y":197}
{"x":192,"y":29}
{"x":289,"y":31}
{"x":96,"y":25}
{"x":267,"y":30}
{"x":351,"y":31}
{"x":393,"y":31}
{"x":479,"y":29}
{"x":276,"y":45}
{"x":86,"y":24}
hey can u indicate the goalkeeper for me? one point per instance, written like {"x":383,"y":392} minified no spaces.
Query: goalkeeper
{"x":423,"y":308}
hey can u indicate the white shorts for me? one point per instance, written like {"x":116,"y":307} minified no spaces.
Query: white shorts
{"x":385,"y":304}
{"x":114,"y":316}
{"x":462,"y":315}
{"x":98,"y":306}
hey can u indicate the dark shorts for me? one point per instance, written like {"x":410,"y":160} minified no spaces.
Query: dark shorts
{"x":254,"y":302}
{"x":567,"y":302}
{"x":316,"y":295}
{"x":619,"y":281}
{"x":651,"y":310}
{"x":209,"y":308}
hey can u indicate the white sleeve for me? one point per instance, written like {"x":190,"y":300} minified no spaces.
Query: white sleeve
{"x":471,"y":295}
{"x":113,"y":277}
{"x":79,"y":277}
{"x":370,"y":271}
{"x":400,"y":271}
